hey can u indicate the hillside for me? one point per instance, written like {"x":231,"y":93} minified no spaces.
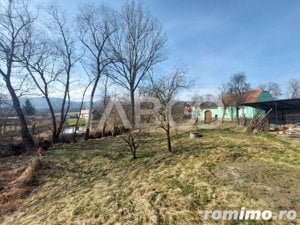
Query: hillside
{"x":40,"y":103}
{"x":97,"y":182}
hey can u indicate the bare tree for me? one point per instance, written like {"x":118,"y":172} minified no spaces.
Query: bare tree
{"x":294,"y":88}
{"x":238,"y":88}
{"x":137,"y":47}
{"x":15,"y":24}
{"x":165,"y":89}
{"x":64,"y":46}
{"x":225,"y":100}
{"x":273,"y":88}
{"x":133,"y":141}
{"x":96,"y":25}
{"x":42,"y":63}
{"x":49,"y":60}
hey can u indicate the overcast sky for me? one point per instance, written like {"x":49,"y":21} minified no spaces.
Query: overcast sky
{"x":216,"y":39}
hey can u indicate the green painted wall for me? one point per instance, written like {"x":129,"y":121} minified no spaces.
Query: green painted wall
{"x":265,"y":96}
{"x":247,"y":112}
{"x":244,"y":112}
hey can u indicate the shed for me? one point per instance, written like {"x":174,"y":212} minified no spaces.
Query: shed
{"x":283,"y":111}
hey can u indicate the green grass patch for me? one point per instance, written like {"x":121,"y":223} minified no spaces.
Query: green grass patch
{"x":72,"y":122}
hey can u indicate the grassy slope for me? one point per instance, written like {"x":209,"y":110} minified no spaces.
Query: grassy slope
{"x":97,"y":182}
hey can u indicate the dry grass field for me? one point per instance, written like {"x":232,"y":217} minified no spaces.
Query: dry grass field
{"x":97,"y":182}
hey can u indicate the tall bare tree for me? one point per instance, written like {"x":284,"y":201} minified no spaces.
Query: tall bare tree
{"x":42,"y":63}
{"x":96,"y":25}
{"x":238,"y":88}
{"x":165,"y":88}
{"x":137,"y":47}
{"x":293,"y":88}
{"x":49,"y":60}
{"x":15,"y":24}
{"x":63,"y":40}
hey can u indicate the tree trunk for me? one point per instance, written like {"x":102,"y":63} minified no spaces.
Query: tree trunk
{"x":105,"y":105}
{"x":224,"y":113}
{"x":103,"y":129}
{"x":132,"y":144}
{"x":54,"y":125}
{"x":169,"y":138}
{"x":134,"y":153}
{"x":169,"y":141}
{"x":66,"y":100}
{"x":89,"y":122}
{"x":237,"y":115}
{"x":25,"y":133}
{"x":55,"y":137}
{"x":223,"y":116}
{"x":132,"y":108}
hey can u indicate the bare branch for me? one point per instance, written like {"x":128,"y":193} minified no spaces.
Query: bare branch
{"x":294,"y":88}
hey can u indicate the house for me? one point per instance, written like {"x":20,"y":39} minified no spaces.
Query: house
{"x":73,"y":114}
{"x":209,"y":111}
{"x":84,"y":114}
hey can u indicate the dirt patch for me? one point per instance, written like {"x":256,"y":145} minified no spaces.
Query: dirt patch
{"x":18,"y":174}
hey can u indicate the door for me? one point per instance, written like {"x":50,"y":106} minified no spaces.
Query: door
{"x":208,"y":116}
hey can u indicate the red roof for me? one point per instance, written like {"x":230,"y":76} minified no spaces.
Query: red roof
{"x":251,"y":96}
